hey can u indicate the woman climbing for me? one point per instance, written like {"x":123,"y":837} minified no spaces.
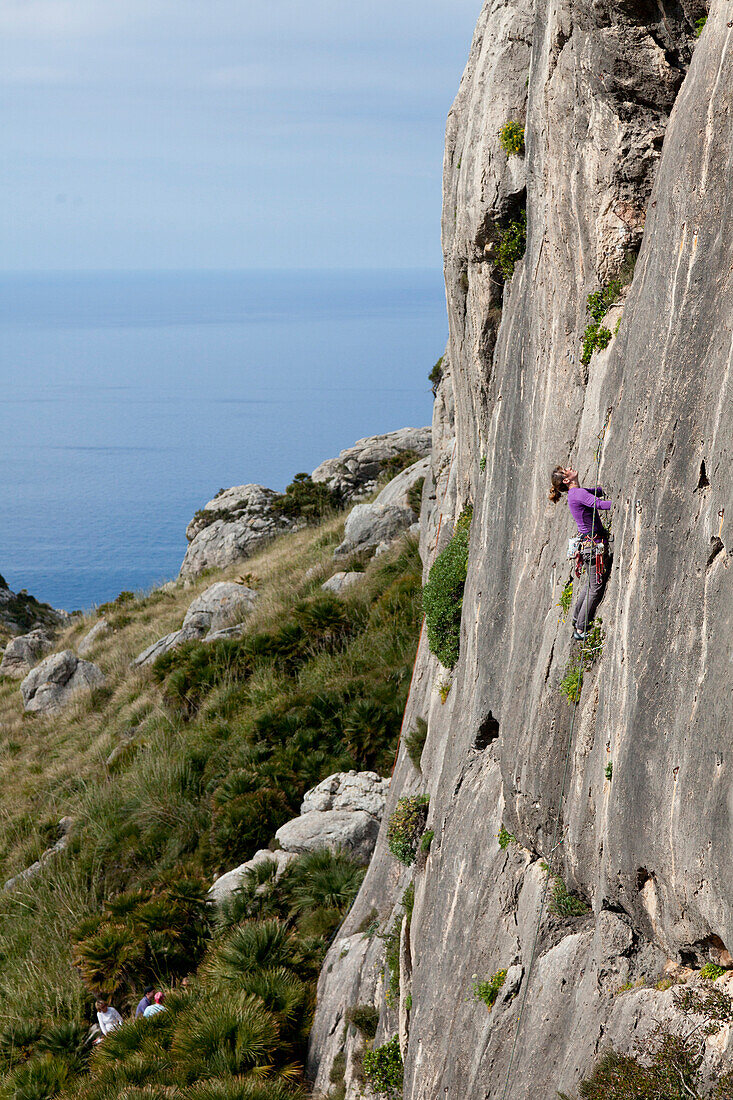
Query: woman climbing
{"x":584,"y":506}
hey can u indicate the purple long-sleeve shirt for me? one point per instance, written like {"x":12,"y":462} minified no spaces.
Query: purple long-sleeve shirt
{"x":582,"y":503}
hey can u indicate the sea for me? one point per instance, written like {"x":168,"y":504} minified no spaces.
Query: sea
{"x":127,"y":400}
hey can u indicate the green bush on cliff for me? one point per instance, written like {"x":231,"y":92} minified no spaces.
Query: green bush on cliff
{"x":415,"y":739}
{"x":405,"y":827}
{"x":510,"y":244}
{"x":487,"y":991}
{"x":436,"y":375}
{"x":511,"y":138}
{"x":443,"y":594}
{"x":306,"y":499}
{"x":383,"y":1069}
{"x":596,"y":336}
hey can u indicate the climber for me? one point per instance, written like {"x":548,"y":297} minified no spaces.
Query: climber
{"x":592,"y":551}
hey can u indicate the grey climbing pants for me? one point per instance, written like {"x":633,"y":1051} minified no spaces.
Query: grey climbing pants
{"x":590,"y":590}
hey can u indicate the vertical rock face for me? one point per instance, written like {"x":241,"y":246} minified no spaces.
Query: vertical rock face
{"x":629,"y":141}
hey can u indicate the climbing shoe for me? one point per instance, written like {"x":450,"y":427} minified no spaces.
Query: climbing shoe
{"x":579,"y":636}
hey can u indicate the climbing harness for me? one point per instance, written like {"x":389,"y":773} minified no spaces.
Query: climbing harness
{"x":557,"y":840}
{"x":595,"y":550}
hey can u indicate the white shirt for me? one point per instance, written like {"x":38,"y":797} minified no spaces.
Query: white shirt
{"x":109,"y":1020}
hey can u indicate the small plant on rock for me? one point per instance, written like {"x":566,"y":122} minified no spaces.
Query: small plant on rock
{"x":711,"y":971}
{"x":566,"y":599}
{"x":596,"y":336}
{"x":563,"y":903}
{"x":505,"y":838}
{"x":443,"y":594}
{"x":415,"y":741}
{"x":511,"y":138}
{"x":364,"y":1018}
{"x":436,"y":375}
{"x":700,"y":25}
{"x":383,"y":1069}
{"x":608,"y":770}
{"x":487,"y":991}
{"x":427,"y":840}
{"x":406,"y":826}
{"x":511,"y":243}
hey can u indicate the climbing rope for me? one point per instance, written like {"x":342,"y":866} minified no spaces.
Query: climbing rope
{"x":422,"y":625}
{"x":555,"y":842}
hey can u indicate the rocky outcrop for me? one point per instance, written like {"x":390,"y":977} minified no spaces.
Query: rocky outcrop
{"x":21,"y":612}
{"x":227,"y":884}
{"x":230,"y":527}
{"x":25,"y":651}
{"x":342,"y":813}
{"x":208,"y":618}
{"x":623,"y":145}
{"x":237,"y":521}
{"x":357,"y":470}
{"x":379,"y":522}
{"x":90,"y":639}
{"x":339,"y":582}
{"x":53,"y":683}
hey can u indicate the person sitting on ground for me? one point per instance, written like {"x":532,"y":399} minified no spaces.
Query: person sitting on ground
{"x":584,"y":506}
{"x":108,"y":1017}
{"x":157,"y":1005}
{"x":145,"y":1002}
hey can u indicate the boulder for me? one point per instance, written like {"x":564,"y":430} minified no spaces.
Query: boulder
{"x":207,"y":619}
{"x":342,"y":812}
{"x":339,"y":581}
{"x":25,"y":651}
{"x":228,"y":883}
{"x":88,"y":641}
{"x":230,"y":528}
{"x":215,"y":608}
{"x":380,"y":521}
{"x":51,"y":684}
{"x":357,"y":469}
{"x":353,"y":831}
{"x":348,"y":791}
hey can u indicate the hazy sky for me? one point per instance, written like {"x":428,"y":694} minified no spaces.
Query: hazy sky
{"x":226,"y":133}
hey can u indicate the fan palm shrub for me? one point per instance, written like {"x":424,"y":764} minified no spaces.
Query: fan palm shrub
{"x":254,"y":945}
{"x":229,"y":1033}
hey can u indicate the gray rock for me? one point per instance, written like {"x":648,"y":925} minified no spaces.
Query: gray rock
{"x":92,"y":636}
{"x":380,"y":521}
{"x":230,"y":528}
{"x":353,"y":831}
{"x":228,"y":883}
{"x":340,"y":581}
{"x":207,"y":619}
{"x":51,"y":685}
{"x":20,"y":610}
{"x":25,"y":651}
{"x":357,"y":470}
{"x":348,"y":791}
{"x":215,"y":608}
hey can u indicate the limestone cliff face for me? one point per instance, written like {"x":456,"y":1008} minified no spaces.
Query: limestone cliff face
{"x":629,"y":141}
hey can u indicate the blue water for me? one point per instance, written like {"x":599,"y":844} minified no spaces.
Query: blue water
{"x":128,"y":400}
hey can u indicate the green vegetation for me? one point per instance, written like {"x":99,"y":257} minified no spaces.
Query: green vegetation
{"x":408,"y":900}
{"x":608,"y":770}
{"x":505,"y":838}
{"x":396,"y":463}
{"x":511,"y":139}
{"x":510,"y":243}
{"x":364,"y":1018}
{"x":443,"y":594}
{"x":566,"y":599}
{"x":571,"y":684}
{"x":427,"y":840}
{"x":482,"y":463}
{"x":436,"y":375}
{"x":21,"y":612}
{"x":711,"y":971}
{"x":227,"y":738}
{"x":563,"y":903}
{"x":700,"y":25}
{"x":406,"y":826}
{"x":487,"y":991}
{"x":667,"y":1065}
{"x":444,"y":689}
{"x":596,"y":336}
{"x":415,"y":739}
{"x":414,"y":495}
{"x":306,"y":499}
{"x":383,"y":1069}
{"x":392,"y":963}
{"x":583,"y":658}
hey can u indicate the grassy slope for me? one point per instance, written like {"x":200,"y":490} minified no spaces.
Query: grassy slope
{"x":227,"y":739}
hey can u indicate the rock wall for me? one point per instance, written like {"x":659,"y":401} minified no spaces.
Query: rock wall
{"x":629,"y":141}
